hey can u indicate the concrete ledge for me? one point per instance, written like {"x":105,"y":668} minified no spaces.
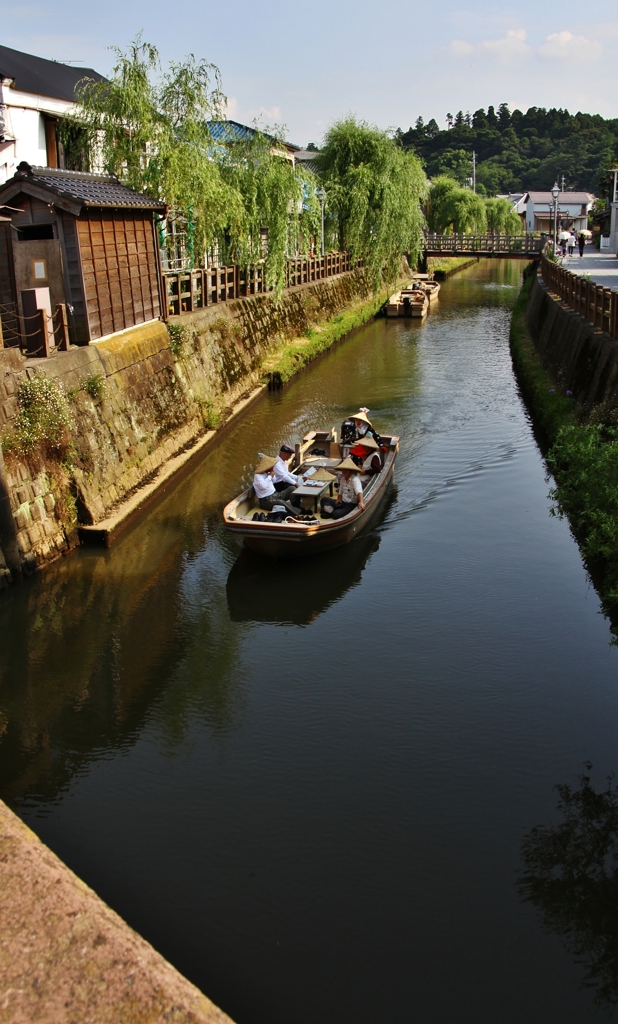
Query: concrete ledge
{"x":105,"y":532}
{"x":67,"y":958}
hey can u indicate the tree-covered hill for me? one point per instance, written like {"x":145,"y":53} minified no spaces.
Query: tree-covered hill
{"x":517,"y":151}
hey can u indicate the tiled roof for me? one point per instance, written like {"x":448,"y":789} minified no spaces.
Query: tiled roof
{"x":87,"y":189}
{"x":233,"y":131}
{"x":564,"y":197}
{"x":40,"y":76}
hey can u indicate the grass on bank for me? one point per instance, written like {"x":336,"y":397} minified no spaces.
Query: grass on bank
{"x":444,"y":266}
{"x":282,"y":365}
{"x":583,"y":457}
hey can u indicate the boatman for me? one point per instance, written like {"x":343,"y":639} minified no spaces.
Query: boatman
{"x":281,"y":476}
{"x":264,"y":487}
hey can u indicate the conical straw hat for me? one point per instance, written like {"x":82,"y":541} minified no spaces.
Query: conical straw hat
{"x":323,"y":475}
{"x":360,"y":416}
{"x":367,"y":442}
{"x":266,"y":462}
{"x":348,"y":464}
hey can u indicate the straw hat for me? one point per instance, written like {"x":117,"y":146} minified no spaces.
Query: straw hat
{"x":362,"y":417}
{"x":323,"y":475}
{"x":266,"y":462}
{"x":348,"y":464}
{"x":367,"y":442}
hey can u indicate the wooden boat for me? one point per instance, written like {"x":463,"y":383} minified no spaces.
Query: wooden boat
{"x":431,"y":289}
{"x":408,"y":302}
{"x":295,"y":539}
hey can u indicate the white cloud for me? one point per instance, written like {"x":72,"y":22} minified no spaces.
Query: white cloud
{"x":566,"y":46}
{"x":231,"y":109}
{"x":511,"y":47}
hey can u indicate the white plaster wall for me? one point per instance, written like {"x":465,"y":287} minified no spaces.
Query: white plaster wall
{"x":24,"y":123}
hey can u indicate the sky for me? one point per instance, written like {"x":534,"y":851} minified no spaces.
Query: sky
{"x":305,"y":65}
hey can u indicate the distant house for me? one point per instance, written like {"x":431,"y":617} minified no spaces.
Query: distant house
{"x":35,"y":94}
{"x":518,"y":202}
{"x":229,"y":132}
{"x":84,"y":241}
{"x":573,"y":208}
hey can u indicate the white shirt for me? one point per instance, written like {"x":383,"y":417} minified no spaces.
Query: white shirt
{"x":263,"y":485}
{"x":283,"y":475}
{"x":349,"y":489}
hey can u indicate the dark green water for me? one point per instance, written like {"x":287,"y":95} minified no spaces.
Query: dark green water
{"x":307,"y":784}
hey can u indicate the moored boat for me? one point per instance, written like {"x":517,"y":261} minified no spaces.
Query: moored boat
{"x":431,"y":289}
{"x":408,"y":302}
{"x":318,"y":454}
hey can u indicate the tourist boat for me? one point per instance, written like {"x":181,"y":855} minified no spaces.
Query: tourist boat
{"x":431,"y":288}
{"x":408,"y":302}
{"x":319,"y":450}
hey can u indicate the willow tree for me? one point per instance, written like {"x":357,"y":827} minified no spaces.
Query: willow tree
{"x":373,"y":193}
{"x":280,"y":208}
{"x":450,"y":207}
{"x":502,"y":218}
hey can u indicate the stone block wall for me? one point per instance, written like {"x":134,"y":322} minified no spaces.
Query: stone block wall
{"x":582,"y":358}
{"x":135,"y":402}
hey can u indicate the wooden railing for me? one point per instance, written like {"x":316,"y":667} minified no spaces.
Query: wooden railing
{"x":188,"y":290}
{"x":518,"y":246}
{"x":596,"y":304}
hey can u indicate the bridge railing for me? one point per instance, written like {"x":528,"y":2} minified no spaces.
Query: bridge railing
{"x":514,"y":245}
{"x":595,"y":303}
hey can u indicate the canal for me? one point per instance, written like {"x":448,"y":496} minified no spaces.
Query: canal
{"x":307,"y":784}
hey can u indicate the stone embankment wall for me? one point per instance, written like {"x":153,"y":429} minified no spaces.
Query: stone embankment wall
{"x":581,"y":358}
{"x":68,"y":958}
{"x":137,"y":398}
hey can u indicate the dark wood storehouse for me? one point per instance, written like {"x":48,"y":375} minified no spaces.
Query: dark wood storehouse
{"x":82,"y":240}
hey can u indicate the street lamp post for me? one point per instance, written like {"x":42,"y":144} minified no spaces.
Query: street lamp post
{"x":555,"y":193}
{"x":322,"y":196}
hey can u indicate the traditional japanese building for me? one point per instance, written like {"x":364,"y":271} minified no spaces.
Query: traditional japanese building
{"x":80,"y":240}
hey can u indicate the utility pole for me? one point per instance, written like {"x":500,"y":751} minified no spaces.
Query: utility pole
{"x":473,"y":171}
{"x":563,"y":188}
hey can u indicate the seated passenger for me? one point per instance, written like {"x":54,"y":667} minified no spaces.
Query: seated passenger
{"x":366,"y":455}
{"x":282,"y":477}
{"x":264,"y":487}
{"x":350,"y":492}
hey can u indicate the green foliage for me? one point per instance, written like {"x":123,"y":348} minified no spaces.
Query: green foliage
{"x":453,"y":208}
{"x":517,"y":150}
{"x":178,"y":335}
{"x":502,"y":218}
{"x":584,"y":461}
{"x":373,"y":193}
{"x":44,"y":419}
{"x":94,"y":385}
{"x":154,"y":135}
{"x":278,"y":201}
{"x":571,"y":876}
{"x":152,"y":129}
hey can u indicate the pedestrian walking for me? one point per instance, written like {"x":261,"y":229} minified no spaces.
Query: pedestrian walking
{"x":581,"y":241}
{"x":571,"y":243}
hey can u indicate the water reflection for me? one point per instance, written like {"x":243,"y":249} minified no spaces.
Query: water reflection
{"x":571,"y":876}
{"x":295,"y":593}
{"x":109,"y":634}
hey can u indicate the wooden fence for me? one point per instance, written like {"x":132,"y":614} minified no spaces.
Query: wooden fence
{"x":195,"y":289}
{"x":596,"y":304}
{"x":515,"y":246}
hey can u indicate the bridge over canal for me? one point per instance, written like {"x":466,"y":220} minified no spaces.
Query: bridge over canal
{"x":522,"y":247}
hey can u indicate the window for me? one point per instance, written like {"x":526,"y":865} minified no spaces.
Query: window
{"x":32,"y":232}
{"x":39,"y":270}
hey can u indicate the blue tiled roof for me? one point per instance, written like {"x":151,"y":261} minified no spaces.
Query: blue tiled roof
{"x":233,"y":131}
